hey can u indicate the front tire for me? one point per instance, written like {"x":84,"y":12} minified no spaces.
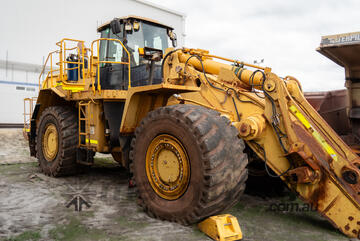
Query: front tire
{"x":57,"y":140}
{"x":188,"y":163}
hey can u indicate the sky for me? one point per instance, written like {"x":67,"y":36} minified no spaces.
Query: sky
{"x":283,"y":33}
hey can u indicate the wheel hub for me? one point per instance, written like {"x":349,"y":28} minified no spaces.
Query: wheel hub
{"x":50,"y":142}
{"x":167,"y":167}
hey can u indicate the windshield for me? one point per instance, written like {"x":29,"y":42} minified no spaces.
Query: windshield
{"x":114,"y":75}
{"x":155,"y":37}
{"x":148,"y":35}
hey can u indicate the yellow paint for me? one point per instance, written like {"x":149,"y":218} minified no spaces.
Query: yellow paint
{"x":50,"y":142}
{"x":167,"y":167}
{"x":91,"y":141}
{"x":213,"y":67}
{"x":221,"y":228}
{"x":73,"y":88}
{"x":251,"y":128}
{"x":314,"y":132}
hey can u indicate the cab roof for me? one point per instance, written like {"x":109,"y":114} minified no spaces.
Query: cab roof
{"x":134,"y":17}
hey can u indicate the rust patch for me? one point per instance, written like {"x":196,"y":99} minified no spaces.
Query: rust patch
{"x":351,"y":218}
{"x":302,"y":175}
{"x":312,"y":144}
{"x":324,"y":161}
{"x":347,"y":227}
{"x":243,"y":128}
{"x":319,"y":194}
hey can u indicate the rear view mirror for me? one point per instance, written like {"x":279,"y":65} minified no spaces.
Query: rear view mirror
{"x":136,"y":26}
{"x":173,"y":38}
{"x":128,"y":26}
{"x":174,"y":41}
{"x":115,"y":26}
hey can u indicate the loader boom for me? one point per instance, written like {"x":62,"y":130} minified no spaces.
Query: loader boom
{"x":280,"y":126}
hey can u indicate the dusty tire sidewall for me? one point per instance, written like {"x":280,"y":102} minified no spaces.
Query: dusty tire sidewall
{"x":46,"y":166}
{"x":187,"y":202}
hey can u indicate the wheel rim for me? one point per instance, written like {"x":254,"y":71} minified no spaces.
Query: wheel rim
{"x":167,"y":167}
{"x":50,"y":142}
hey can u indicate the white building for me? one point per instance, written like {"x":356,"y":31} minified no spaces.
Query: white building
{"x":31,"y":29}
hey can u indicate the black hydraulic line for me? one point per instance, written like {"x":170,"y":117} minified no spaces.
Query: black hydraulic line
{"x":203,"y":70}
{"x":251,"y":82}
{"x":266,"y":167}
{"x":237,"y":112}
{"x":227,"y":91}
{"x":278,"y":132}
{"x":164,"y":59}
{"x":237,"y":97}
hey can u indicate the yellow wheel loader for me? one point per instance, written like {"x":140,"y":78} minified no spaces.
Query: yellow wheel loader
{"x":179,"y":121}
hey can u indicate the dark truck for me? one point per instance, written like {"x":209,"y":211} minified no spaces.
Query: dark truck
{"x":341,"y":108}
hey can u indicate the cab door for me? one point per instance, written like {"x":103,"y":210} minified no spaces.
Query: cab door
{"x":112,"y":74}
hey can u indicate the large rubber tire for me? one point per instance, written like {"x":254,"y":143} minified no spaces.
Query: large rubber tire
{"x":64,"y":118}
{"x":117,"y":156}
{"x":123,"y":157}
{"x":217,"y":162}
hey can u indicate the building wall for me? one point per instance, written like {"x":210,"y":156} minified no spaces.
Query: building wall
{"x":19,"y":75}
{"x":30,"y":30}
{"x":12,"y":96}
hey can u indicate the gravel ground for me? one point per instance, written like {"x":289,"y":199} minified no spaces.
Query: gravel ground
{"x":13,"y":147}
{"x":36,"y":207}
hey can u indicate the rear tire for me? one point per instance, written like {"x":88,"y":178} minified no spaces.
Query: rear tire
{"x":217,"y":164}
{"x":57,"y":141}
{"x":117,"y":156}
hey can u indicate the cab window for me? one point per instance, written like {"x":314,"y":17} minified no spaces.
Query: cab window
{"x":115,"y":51}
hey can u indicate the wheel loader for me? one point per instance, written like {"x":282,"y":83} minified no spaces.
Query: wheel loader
{"x":186,"y":123}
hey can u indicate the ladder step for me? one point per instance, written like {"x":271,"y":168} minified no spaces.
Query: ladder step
{"x":84,"y":123}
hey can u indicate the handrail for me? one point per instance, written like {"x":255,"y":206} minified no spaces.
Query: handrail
{"x":44,"y":67}
{"x":51,"y":77}
{"x":28,"y":115}
{"x":63,"y":61}
{"x":105,"y":62}
{"x":79,"y":65}
{"x":62,"y":64}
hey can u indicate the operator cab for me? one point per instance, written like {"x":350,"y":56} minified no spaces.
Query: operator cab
{"x":151,"y":37}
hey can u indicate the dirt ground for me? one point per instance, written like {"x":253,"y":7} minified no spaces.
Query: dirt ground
{"x":36,"y":207}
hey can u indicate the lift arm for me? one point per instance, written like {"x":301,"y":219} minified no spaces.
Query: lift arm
{"x":281,"y":127}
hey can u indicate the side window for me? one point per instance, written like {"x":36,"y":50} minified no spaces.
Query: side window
{"x":158,"y":43}
{"x":115,"y":52}
{"x":103,"y":46}
{"x":134,"y":41}
{"x":155,"y":37}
